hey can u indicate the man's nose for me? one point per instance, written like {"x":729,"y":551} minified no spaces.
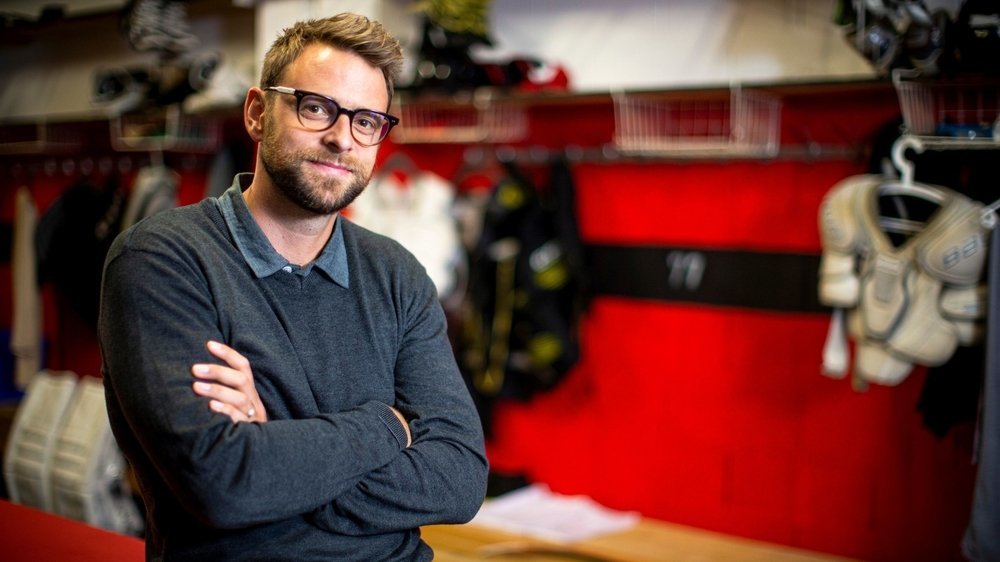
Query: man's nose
{"x":339,"y":134}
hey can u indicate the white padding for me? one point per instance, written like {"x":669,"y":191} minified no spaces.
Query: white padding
{"x":964,"y":303}
{"x":874,"y":364}
{"x":28,"y":454}
{"x":836,"y":354}
{"x":838,"y":279}
{"x":88,"y":470}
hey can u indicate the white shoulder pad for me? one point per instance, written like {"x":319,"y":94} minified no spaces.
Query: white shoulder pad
{"x":964,"y":303}
{"x":874,"y":363}
{"x":838,"y":223}
{"x":955,"y":252}
{"x":838,"y":279}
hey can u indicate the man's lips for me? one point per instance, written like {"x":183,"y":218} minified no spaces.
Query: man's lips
{"x":331,"y":167}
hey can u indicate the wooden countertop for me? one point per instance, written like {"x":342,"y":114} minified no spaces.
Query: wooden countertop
{"x":648,"y":541}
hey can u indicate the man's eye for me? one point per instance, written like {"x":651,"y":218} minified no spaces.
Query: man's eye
{"x":366,"y":122}
{"x":313,"y":109}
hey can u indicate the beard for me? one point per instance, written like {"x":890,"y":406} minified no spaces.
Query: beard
{"x":321,"y":196}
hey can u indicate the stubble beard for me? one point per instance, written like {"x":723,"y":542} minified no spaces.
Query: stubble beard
{"x":321,"y":196}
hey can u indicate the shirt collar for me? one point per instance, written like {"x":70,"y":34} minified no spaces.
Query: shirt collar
{"x":258,"y":252}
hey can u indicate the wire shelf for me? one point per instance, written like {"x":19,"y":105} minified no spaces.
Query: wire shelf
{"x":38,"y":138}
{"x":958,"y":108}
{"x":744,"y":124}
{"x":474,"y":121}
{"x":166,"y":130}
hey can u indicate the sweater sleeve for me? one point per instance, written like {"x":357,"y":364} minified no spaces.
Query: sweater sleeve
{"x":156,"y":317}
{"x":441,"y":477}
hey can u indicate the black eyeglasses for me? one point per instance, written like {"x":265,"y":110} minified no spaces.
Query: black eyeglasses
{"x":318,"y":113}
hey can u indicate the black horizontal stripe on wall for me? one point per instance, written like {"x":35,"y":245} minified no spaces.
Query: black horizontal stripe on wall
{"x":739,"y":278}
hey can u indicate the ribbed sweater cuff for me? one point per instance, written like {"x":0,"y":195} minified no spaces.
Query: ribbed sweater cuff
{"x":392,"y":422}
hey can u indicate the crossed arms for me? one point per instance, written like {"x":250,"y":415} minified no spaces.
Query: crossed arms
{"x":408,"y":458}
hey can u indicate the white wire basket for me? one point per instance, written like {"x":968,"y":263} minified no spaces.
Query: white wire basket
{"x":742,"y":124}
{"x":474,"y":121}
{"x":960,"y":108}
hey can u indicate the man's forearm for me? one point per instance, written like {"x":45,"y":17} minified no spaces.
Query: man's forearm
{"x":432,"y":482}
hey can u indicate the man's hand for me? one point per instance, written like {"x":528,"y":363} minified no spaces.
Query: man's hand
{"x":230,"y":387}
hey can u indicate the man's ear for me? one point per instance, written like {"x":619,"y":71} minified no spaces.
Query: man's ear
{"x":253,"y":114}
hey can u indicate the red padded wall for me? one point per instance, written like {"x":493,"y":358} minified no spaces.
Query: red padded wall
{"x":719,"y":417}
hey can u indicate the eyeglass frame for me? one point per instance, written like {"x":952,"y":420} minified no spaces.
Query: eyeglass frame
{"x":391,"y":120}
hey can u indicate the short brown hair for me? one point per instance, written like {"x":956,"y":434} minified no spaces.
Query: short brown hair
{"x":350,"y":32}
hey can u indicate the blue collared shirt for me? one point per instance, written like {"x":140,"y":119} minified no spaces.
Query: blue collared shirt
{"x":257,"y":250}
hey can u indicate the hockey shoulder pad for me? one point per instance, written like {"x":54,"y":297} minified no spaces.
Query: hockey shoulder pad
{"x":842,"y":240}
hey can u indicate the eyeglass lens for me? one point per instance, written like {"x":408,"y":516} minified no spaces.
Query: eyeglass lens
{"x":318,"y":113}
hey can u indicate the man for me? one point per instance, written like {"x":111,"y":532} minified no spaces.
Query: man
{"x":265,"y":306}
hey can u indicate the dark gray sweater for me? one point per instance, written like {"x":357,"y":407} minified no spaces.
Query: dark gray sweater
{"x":332,"y":346}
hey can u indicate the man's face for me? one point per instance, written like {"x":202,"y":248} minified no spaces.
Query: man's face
{"x":321,"y":171}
